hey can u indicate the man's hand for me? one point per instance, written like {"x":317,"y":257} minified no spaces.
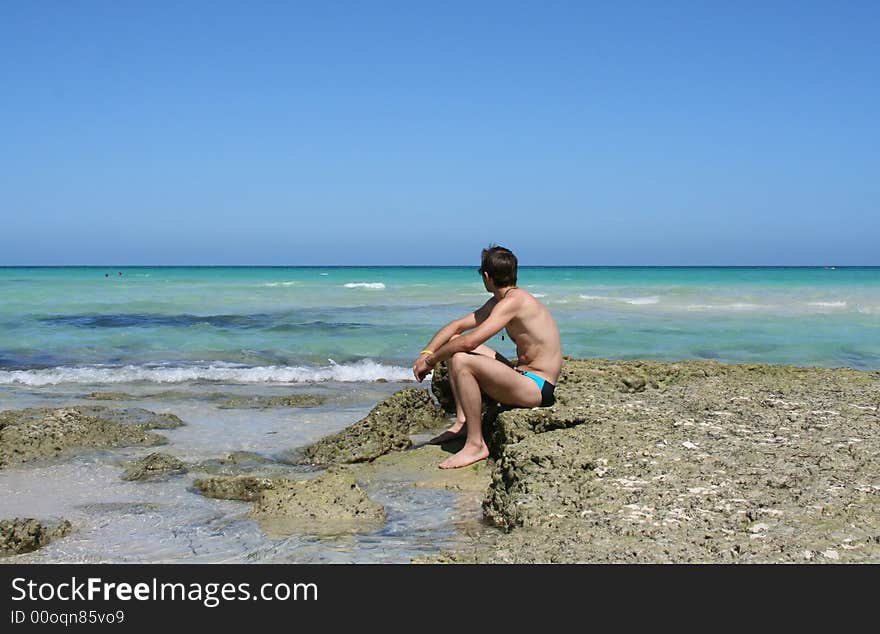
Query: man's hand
{"x":421,"y":369}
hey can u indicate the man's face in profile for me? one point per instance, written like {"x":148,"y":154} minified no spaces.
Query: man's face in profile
{"x":485,"y":277}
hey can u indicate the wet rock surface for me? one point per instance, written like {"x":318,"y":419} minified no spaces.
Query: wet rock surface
{"x":696,"y":461}
{"x":370,"y":452}
{"x":162,"y":395}
{"x":332,"y":503}
{"x":237,"y":463}
{"x":441,"y":389}
{"x":24,"y":535}
{"x":386,"y":428}
{"x":242,"y":487}
{"x":266,"y":402}
{"x":39,"y":433}
{"x":130,"y":416}
{"x":156,"y":466}
{"x":418,"y":466}
{"x":111,"y":396}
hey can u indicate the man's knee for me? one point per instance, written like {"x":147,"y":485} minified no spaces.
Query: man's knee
{"x":458,"y":361}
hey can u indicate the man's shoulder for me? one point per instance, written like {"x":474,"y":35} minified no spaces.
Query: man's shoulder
{"x":522,"y":296}
{"x":531,"y":304}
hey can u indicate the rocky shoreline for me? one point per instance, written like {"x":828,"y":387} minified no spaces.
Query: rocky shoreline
{"x":39,"y":433}
{"x":695,"y":461}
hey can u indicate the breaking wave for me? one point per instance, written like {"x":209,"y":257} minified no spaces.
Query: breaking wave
{"x":733,"y":306}
{"x":374,"y":285}
{"x":828,"y":304}
{"x":364,"y":370}
{"x":279,"y":283}
{"x":636,"y":301}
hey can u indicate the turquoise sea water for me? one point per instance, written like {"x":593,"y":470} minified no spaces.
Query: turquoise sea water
{"x":173,"y":339}
{"x":255,"y":324}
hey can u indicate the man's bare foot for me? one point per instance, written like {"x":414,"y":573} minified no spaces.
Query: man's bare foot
{"x":456,"y":431}
{"x":467,"y":456}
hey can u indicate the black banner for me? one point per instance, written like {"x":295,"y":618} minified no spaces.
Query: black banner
{"x":119,"y":596}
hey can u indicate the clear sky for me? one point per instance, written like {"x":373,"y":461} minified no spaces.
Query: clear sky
{"x":614,"y":133}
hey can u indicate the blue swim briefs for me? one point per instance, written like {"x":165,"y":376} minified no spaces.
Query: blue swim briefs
{"x":547,"y":388}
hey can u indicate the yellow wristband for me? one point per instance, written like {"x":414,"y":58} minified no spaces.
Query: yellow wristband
{"x":426,"y":351}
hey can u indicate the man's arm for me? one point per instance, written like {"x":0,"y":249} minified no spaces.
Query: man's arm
{"x":468,"y":322}
{"x":500,"y":315}
{"x":446,"y":332}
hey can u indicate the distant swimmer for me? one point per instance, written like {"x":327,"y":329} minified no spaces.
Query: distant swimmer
{"x":475,"y":367}
{"x":106,"y":275}
{"x":120,"y":273}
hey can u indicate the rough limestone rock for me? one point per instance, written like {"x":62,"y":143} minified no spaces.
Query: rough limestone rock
{"x":38,"y":433}
{"x":24,"y":535}
{"x":441,"y":388}
{"x":504,"y":427}
{"x":529,"y":472}
{"x":386,"y":428}
{"x":332,"y":503}
{"x":156,"y":466}
{"x":703,"y":462}
{"x":235,"y":463}
{"x":266,"y":402}
{"x":111,"y":396}
{"x":247,"y":488}
{"x":418,"y":467}
{"x":131,"y":416}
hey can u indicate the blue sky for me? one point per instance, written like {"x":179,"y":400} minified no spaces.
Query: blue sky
{"x":624,"y":133}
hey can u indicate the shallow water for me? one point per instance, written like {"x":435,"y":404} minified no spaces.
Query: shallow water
{"x":119,"y":521}
{"x":181,"y":339}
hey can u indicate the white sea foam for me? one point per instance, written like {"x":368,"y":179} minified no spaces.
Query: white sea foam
{"x":635,"y":301}
{"x":734,"y":306}
{"x":745,"y":306}
{"x":279,"y":283}
{"x":828,"y":304}
{"x":373,"y":285}
{"x":364,"y":370}
{"x":540,"y":295}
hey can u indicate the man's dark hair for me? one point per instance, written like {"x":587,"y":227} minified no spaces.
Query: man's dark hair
{"x":500,"y":264}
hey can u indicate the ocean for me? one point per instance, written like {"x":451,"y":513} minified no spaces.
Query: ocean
{"x":259,"y":325}
{"x":170,"y":339}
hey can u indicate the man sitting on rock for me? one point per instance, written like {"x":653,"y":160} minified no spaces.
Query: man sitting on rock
{"x":474,"y":367}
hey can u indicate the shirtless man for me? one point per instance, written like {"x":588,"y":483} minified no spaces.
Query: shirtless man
{"x":475,"y":367}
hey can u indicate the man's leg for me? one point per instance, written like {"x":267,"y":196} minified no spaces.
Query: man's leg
{"x":457,"y":429}
{"x":473,"y":375}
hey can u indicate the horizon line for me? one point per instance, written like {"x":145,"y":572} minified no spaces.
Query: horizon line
{"x":429,"y":266}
